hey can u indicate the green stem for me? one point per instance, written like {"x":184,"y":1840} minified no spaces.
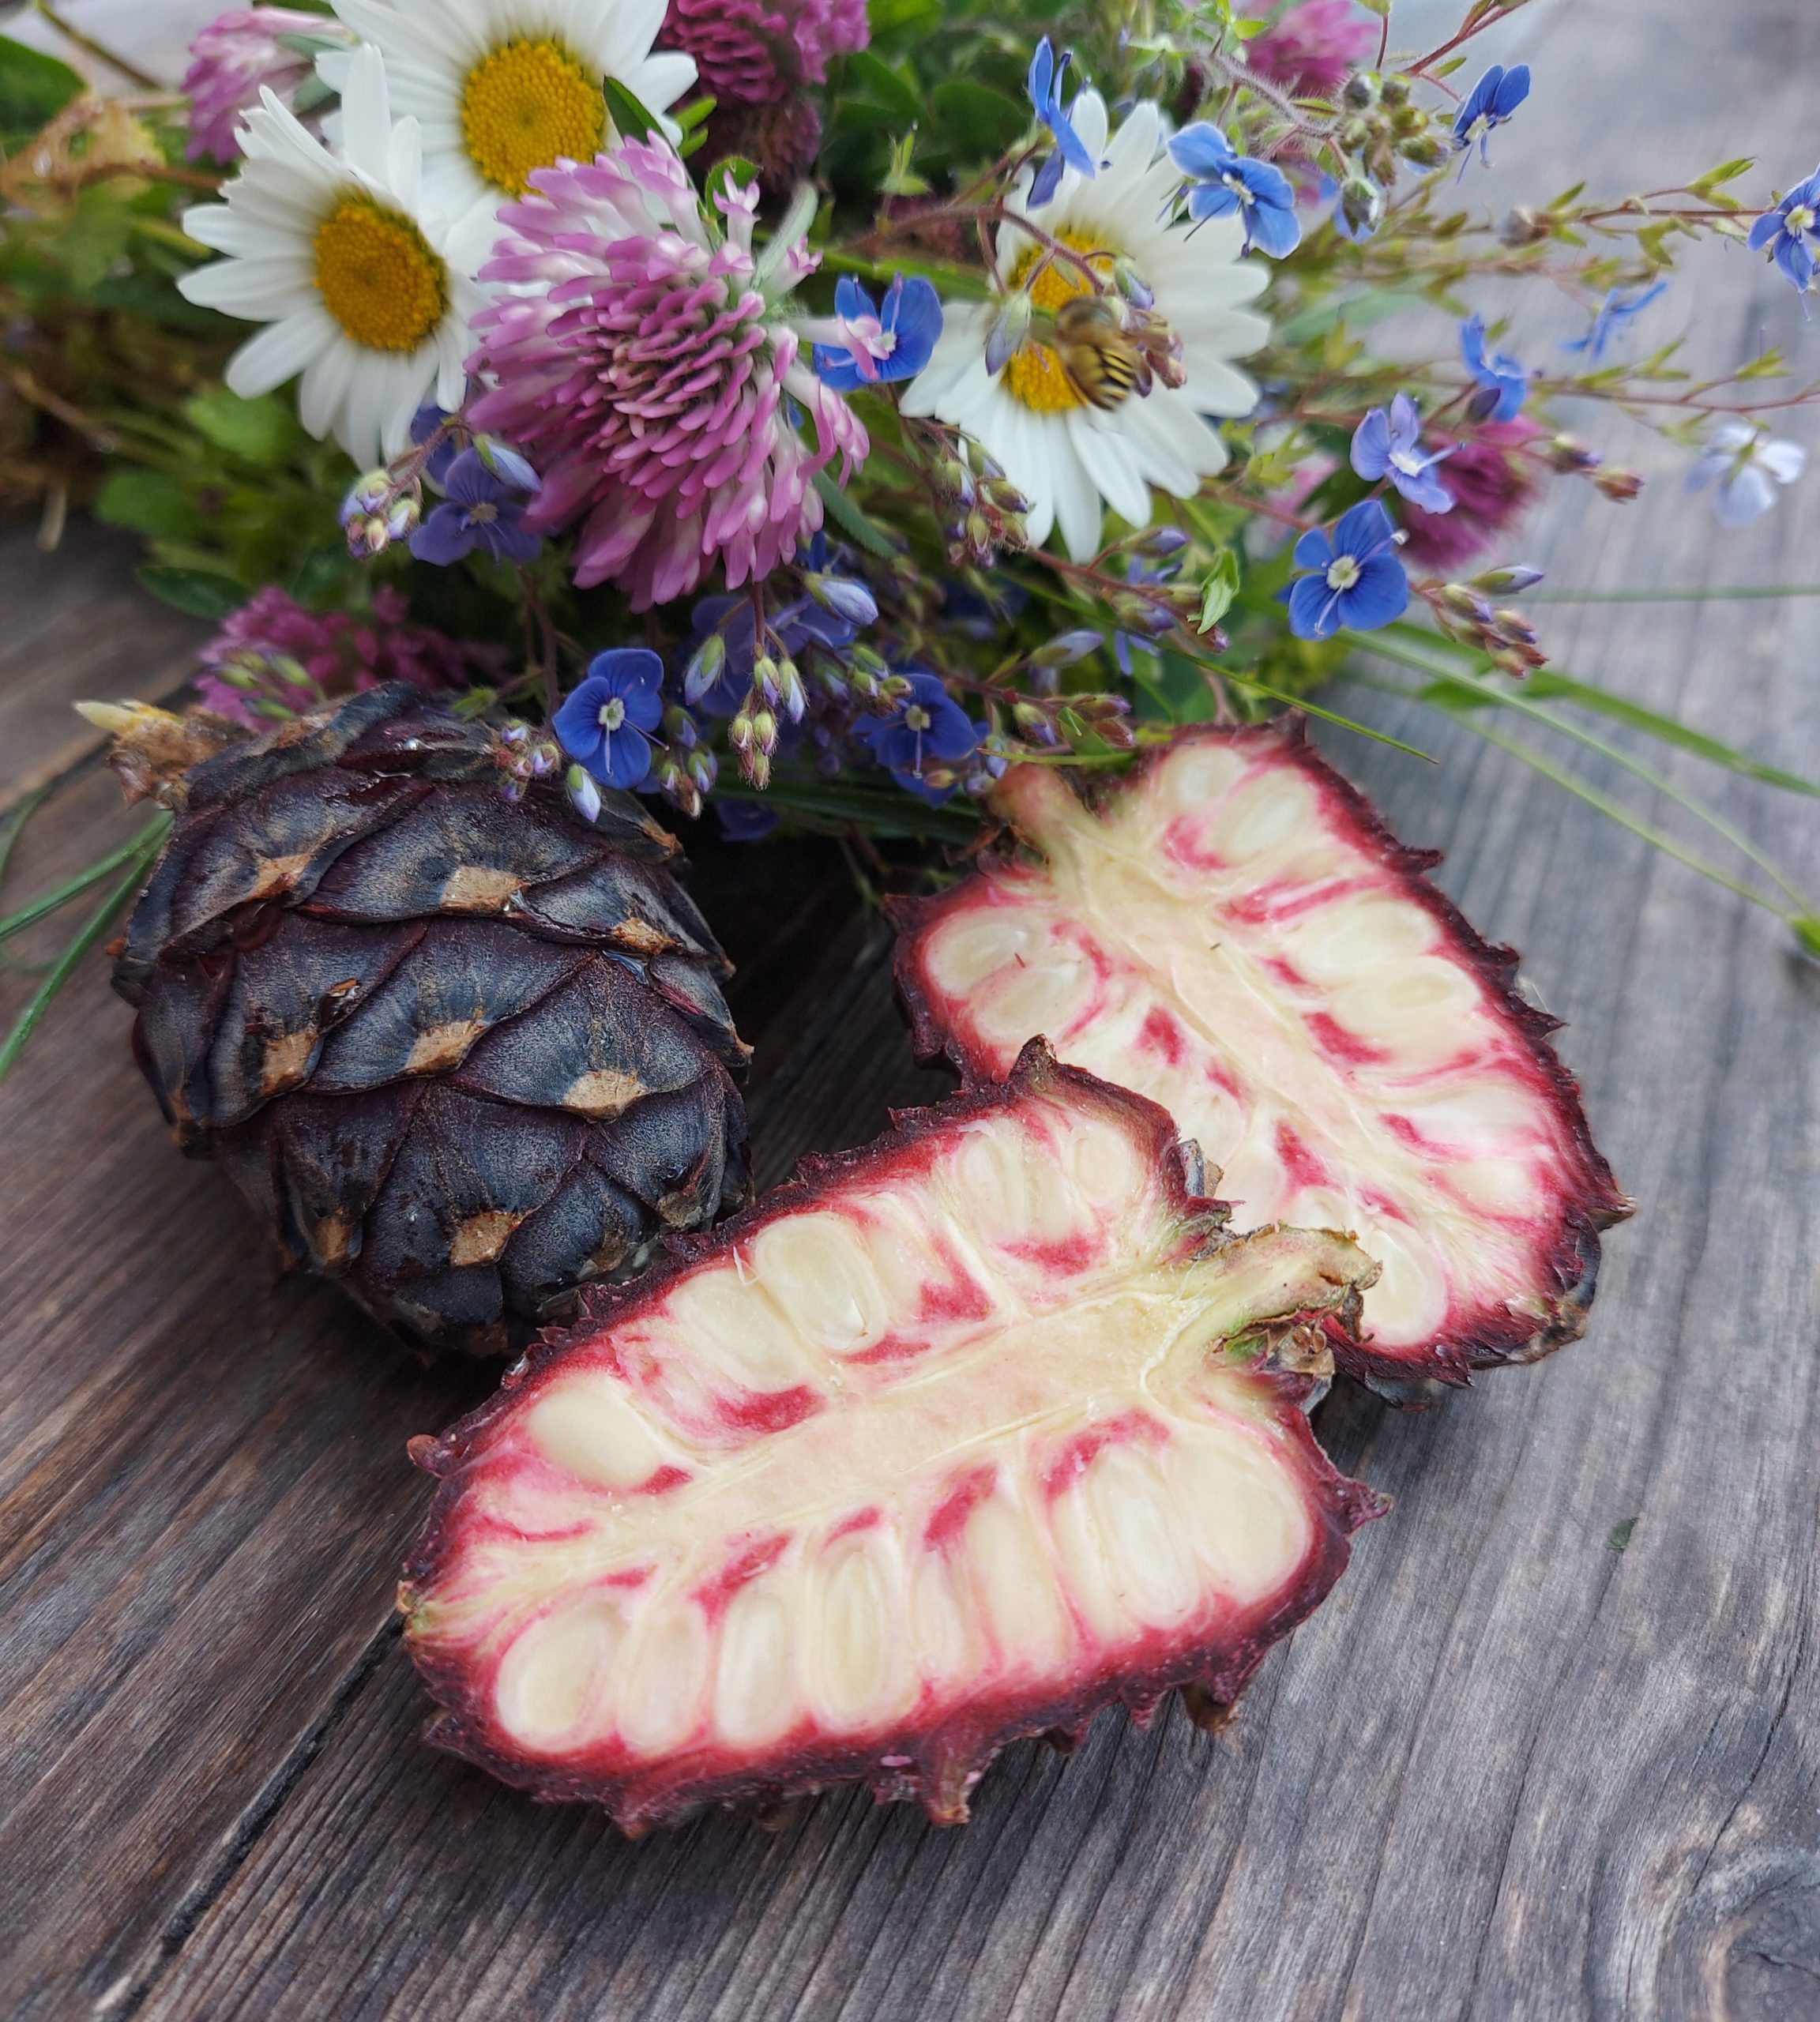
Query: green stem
{"x":1522,"y":706}
{"x":66,"y":962}
{"x":147,"y":843}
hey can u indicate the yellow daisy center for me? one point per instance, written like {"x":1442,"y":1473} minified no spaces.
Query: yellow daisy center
{"x":377,"y":277}
{"x":524,"y":104}
{"x":1033,"y":374}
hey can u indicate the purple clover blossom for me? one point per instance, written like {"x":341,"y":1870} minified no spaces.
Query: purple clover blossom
{"x":869,"y":343}
{"x":1743,"y":463}
{"x":1788,"y":229}
{"x":1499,"y":374}
{"x":606,"y":724}
{"x":1221,"y":181}
{"x":1489,"y":103}
{"x":1389,"y":446}
{"x":1613,"y":316}
{"x":1044,"y":85}
{"x":481,"y":511}
{"x":927,"y":724}
{"x":1356,"y":579}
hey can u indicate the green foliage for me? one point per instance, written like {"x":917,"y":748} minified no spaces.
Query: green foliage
{"x":34,"y":89}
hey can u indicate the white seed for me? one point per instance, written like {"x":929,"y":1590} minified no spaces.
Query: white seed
{"x":1087,"y":1562}
{"x":1015,"y":1590}
{"x":857,"y":1657}
{"x":969,"y":947}
{"x":1332,"y":944}
{"x":1150,"y":1566}
{"x":555,"y":1672}
{"x":756,"y":1696}
{"x":1010,"y":1188}
{"x":944,"y":1620}
{"x":734,"y":1336}
{"x":664,"y":1670}
{"x":816,"y":1268}
{"x":1049,"y":994}
{"x":1198,"y":775}
{"x":1238,"y":1509}
{"x":587,"y":1426}
{"x":1262,"y":818}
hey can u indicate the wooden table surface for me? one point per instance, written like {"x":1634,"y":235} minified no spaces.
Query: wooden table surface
{"x":1509,"y":1769}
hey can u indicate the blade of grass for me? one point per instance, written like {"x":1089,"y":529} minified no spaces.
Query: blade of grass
{"x":15,"y":828}
{"x":1548,"y":682}
{"x":149,"y":840}
{"x":64,"y":966}
{"x":1482,"y":692}
{"x":1327,"y":715}
{"x":1737,"y":593}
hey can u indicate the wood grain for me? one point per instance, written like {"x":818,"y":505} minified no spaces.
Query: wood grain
{"x":1508,"y":1770}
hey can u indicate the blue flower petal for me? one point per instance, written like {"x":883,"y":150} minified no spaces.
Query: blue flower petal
{"x":1312,"y":608}
{"x":1766,"y":228}
{"x":627,"y":759}
{"x":851,"y":300}
{"x":1273,"y":230}
{"x":1381,"y":594}
{"x":1314,"y":549}
{"x":1047,"y":180}
{"x":1363,"y":530}
{"x":918,"y":325}
{"x":1370,"y":452}
{"x":445,"y":537}
{"x":1202,"y":151}
{"x":1512,"y":87}
{"x":1212,"y":200}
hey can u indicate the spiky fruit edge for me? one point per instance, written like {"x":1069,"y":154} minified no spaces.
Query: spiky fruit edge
{"x":1534,"y":1317}
{"x":495,"y":1488}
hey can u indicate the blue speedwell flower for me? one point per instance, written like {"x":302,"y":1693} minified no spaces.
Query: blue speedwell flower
{"x":1612,"y":319}
{"x":1357,"y":580}
{"x":1504,"y":384}
{"x":1221,"y":181}
{"x":1742,"y":465}
{"x":481,"y":511}
{"x":869,"y":342}
{"x":1389,"y":445}
{"x":1489,"y":103}
{"x":1790,"y":230}
{"x":1044,"y":85}
{"x":928,"y":727}
{"x":606,"y":724}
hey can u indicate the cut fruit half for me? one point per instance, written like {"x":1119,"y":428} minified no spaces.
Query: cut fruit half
{"x":1231,"y":931}
{"x":960,"y":1438}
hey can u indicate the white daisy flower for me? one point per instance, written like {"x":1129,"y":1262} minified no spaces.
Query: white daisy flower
{"x":1064,"y":453}
{"x":501,"y":88}
{"x":337,"y":252}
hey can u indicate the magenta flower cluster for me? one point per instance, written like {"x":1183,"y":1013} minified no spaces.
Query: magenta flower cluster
{"x":754,"y":52}
{"x":278,"y":653}
{"x":239,"y":54}
{"x":650,"y":377}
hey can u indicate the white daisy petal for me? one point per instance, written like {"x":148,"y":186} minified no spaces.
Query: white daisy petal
{"x":280,"y":352}
{"x":1174,"y":446}
{"x":663,"y":77}
{"x":1101,"y":448}
{"x":1077,"y":512}
{"x":263,"y":290}
{"x":1087,"y":116}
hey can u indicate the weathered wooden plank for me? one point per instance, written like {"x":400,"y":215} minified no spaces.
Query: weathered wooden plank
{"x":202,"y":1494}
{"x":1507,"y":1770}
{"x":77,"y":625}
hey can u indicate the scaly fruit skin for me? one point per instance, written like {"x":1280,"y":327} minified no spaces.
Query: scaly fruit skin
{"x":960,"y":1437}
{"x":462,"y":1055}
{"x":1231,"y":930}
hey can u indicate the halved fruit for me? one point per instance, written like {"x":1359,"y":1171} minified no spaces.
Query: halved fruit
{"x":1231,"y":931}
{"x":961,"y":1437}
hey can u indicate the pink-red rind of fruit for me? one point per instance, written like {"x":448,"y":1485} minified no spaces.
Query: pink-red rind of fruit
{"x":1479,"y":1338}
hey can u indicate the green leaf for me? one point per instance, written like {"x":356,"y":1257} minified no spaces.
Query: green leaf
{"x":34,"y":89}
{"x":904,"y":20}
{"x":633,"y":119}
{"x":199,"y":591}
{"x":263,"y":431}
{"x":1620,"y":1535}
{"x":727,"y":171}
{"x":149,"y":502}
{"x":1222,"y":587}
{"x":978,"y":122}
{"x":851,"y":520}
{"x":873,"y":79}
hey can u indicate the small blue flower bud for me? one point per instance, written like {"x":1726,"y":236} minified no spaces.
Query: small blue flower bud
{"x":1008,"y":332}
{"x":704,"y":668}
{"x":584,"y":795}
{"x":1506,"y":582}
{"x":1067,"y":648}
{"x":506,"y":464}
{"x":844,"y":597}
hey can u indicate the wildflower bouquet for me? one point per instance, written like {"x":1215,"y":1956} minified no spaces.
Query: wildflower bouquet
{"x":814,"y":414}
